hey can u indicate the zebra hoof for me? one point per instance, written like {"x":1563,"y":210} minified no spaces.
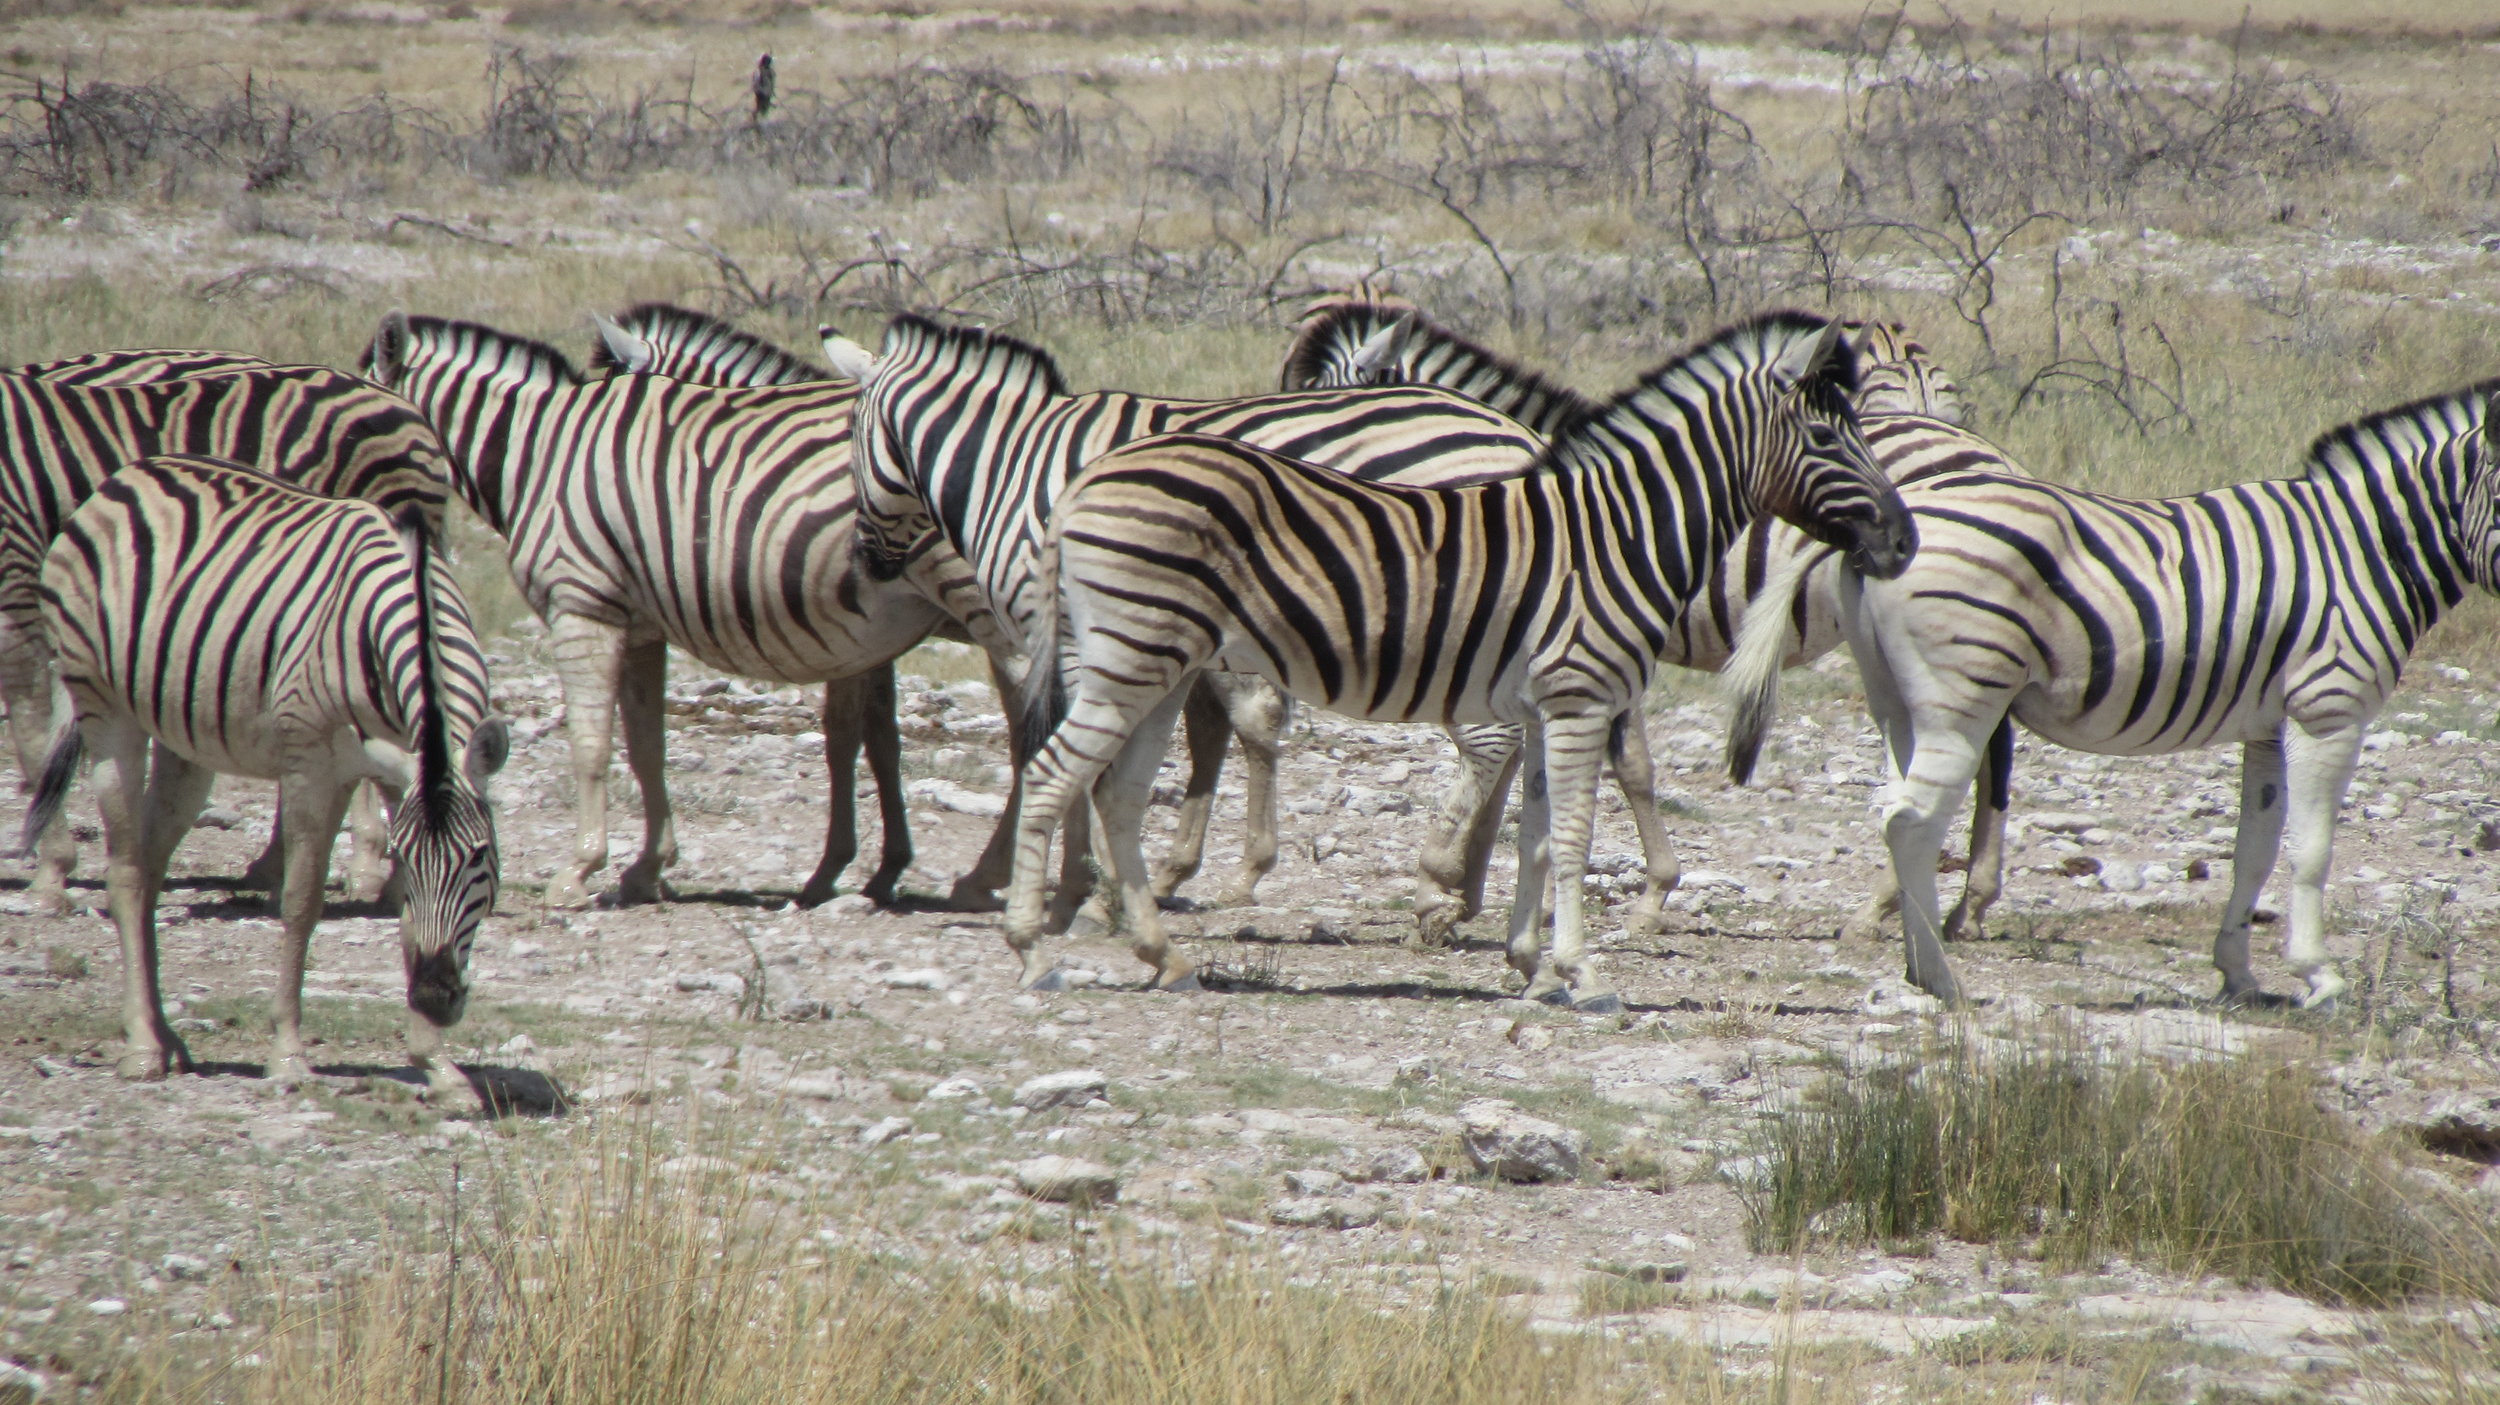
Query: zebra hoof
{"x":1604,"y":1003}
{"x":1557,"y":996}
{"x":1054,"y":979}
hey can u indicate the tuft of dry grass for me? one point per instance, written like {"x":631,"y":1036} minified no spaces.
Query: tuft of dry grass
{"x":2225,"y":1166}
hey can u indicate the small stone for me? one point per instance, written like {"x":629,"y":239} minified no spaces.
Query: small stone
{"x":182,"y":1267}
{"x":1074,"y":1088}
{"x":2080,"y":866}
{"x":1672,"y":1271}
{"x":1065,"y":1180}
{"x":1314,"y":1181}
{"x":2096,"y":835}
{"x":1506,"y":1142}
{"x":953,"y":1089}
{"x":1322,"y":1212}
{"x":801,"y":1009}
{"x":848,"y":905}
{"x":1399,"y":1165}
{"x":217,"y":817}
{"x":881,"y":1132}
{"x":108,"y":1307}
{"x":517,"y":1044}
{"x":2122,"y":877}
{"x":921,"y":978}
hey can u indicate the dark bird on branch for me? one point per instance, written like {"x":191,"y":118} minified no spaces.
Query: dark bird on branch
{"x":763,"y":86}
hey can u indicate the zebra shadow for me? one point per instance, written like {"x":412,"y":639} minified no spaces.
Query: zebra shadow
{"x":502,"y":1092}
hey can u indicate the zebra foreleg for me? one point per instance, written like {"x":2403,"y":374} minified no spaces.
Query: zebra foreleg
{"x":311,"y":803}
{"x":845,"y":732}
{"x":1209,"y":730}
{"x":1984,"y":879}
{"x":1574,"y":746}
{"x":642,"y":698}
{"x":977,"y":891}
{"x":1536,"y":858}
{"x":587,"y":656}
{"x":1627,"y":747}
{"x":2252,"y":862}
{"x":1456,"y":857}
{"x":1258,"y":712}
{"x":1120,"y":795}
{"x":149,"y":1043}
{"x":26,"y":686}
{"x":2321,"y":766}
{"x":884,"y":743}
{"x":370,"y":872}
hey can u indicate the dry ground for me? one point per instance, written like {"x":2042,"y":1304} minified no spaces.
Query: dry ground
{"x":1328,"y":1046}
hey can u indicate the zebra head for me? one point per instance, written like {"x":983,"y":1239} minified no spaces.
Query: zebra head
{"x":1815,"y":469}
{"x":442,"y":833}
{"x":929,"y":427}
{"x":2482,"y":501}
{"x":1898,"y":376}
{"x":662,"y":339}
{"x":1348,"y":340}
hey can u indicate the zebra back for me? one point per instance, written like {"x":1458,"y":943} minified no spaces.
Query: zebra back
{"x":974,"y":432}
{"x":244,"y":622}
{"x":138,"y":367}
{"x":663,"y":339}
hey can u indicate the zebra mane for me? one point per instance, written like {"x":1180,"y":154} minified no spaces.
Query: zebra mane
{"x":433,"y":791}
{"x":697,"y":346}
{"x":1732,"y":351}
{"x":521,"y":357}
{"x":977,"y":343}
{"x":2354,"y":441}
{"x":1348,"y":321}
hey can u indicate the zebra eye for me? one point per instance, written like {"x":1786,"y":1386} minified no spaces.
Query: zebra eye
{"x":1823,"y":437}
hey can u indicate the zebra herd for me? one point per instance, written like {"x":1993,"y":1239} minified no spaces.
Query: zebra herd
{"x":237,"y":567}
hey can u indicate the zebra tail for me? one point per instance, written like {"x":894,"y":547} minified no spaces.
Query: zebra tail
{"x":60,"y":770}
{"x":1045,"y":688}
{"x":1751,"y":680}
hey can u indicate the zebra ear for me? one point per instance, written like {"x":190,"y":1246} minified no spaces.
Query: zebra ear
{"x":849,"y":358}
{"x":388,"y":356}
{"x":1804,"y":360}
{"x":629,"y":352}
{"x":1380,"y":350}
{"x":489,"y":747}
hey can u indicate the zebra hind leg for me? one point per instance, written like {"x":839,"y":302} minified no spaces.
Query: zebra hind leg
{"x":1258,"y":711}
{"x":845,"y":732}
{"x":1942,"y":762}
{"x":2252,"y":862}
{"x":1056,"y":780}
{"x":1574,"y":748}
{"x":149,"y":1043}
{"x":26,"y":686}
{"x":977,"y":891}
{"x":885,"y":763}
{"x":1984,"y":880}
{"x":587,"y":655}
{"x":1536,"y":858}
{"x":2321,"y":766}
{"x":1120,"y":795}
{"x":1453,"y":863}
{"x":642,"y":699}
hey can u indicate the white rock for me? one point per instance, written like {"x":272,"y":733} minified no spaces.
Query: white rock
{"x":881,"y":1132}
{"x":1066,"y":1180}
{"x":1696,"y":878}
{"x":847,"y":905}
{"x":1074,"y":1088}
{"x":183,"y":1267}
{"x":953,"y":795}
{"x":953,"y":1089}
{"x":1314,"y":1181}
{"x":826,"y":1087}
{"x":1365,"y":800}
{"x":108,"y":1307}
{"x":2122,"y":877}
{"x":1886,"y":1002}
{"x":1506,"y":1142}
{"x":1401,"y":1165}
{"x":1321,"y":1211}
{"x":918,"y":978}
{"x":2059,"y":822}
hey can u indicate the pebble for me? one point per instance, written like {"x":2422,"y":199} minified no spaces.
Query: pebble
{"x":1314,"y":1181}
{"x":1503,"y":1141}
{"x":1066,"y":1180}
{"x":953,"y":1089}
{"x":1074,"y":1088}
{"x":885,"y":1130}
{"x":108,"y":1307}
{"x":1321,"y":1211}
{"x":920,"y":978}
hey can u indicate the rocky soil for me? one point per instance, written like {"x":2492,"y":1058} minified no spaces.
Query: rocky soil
{"x":1335,"y":1097}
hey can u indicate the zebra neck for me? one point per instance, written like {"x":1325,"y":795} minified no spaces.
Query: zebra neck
{"x":2392,"y":523}
{"x":496,"y":433}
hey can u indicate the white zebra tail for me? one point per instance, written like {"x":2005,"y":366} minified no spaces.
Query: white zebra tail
{"x":1751,"y":680}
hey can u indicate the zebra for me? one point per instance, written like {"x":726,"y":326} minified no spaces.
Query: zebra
{"x":643,"y":511}
{"x":972,"y":432}
{"x":232,"y":622}
{"x":138,"y":367}
{"x":1912,"y":413}
{"x":1540,"y":600}
{"x":657,"y":338}
{"x":2276,"y":613}
{"x":325,"y":429}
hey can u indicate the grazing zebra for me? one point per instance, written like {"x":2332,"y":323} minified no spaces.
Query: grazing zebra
{"x":1910,"y":410}
{"x":323,"y":429}
{"x":1540,"y":600}
{"x":973,"y":433}
{"x":2277,"y":613}
{"x":662,"y":339}
{"x":643,"y":511}
{"x":244,"y":625}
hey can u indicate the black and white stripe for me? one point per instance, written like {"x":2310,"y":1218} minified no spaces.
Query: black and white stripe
{"x":973,"y":433}
{"x":1541,"y":600}
{"x":1910,"y":410}
{"x":326,"y":430}
{"x":237,"y":624}
{"x":138,"y":367}
{"x":643,"y":511}
{"x":2278,"y":614}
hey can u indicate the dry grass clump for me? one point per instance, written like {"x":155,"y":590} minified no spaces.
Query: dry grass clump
{"x":2224,"y":1166}
{"x":646,"y":1274}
